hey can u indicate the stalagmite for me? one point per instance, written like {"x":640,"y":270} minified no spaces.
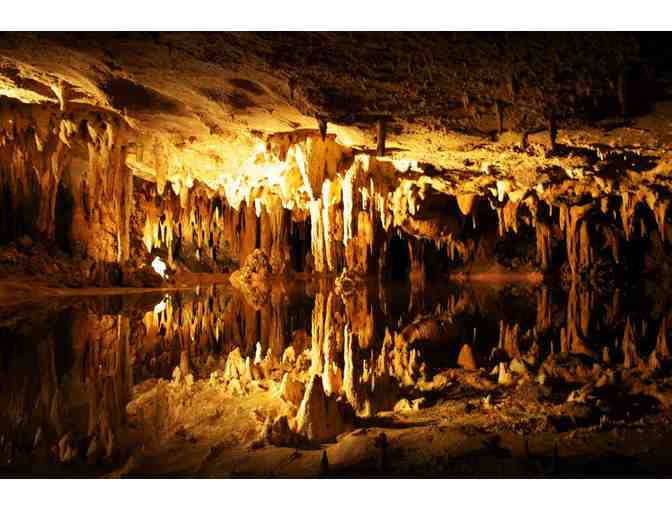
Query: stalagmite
{"x":662,"y":345}
{"x":319,"y":417}
{"x":466,"y":358}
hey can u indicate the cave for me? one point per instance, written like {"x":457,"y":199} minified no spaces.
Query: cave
{"x":369,"y":253}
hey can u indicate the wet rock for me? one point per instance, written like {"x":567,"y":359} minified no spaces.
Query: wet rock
{"x":66,"y":449}
{"x":321,"y":418}
{"x":25,"y":243}
{"x":347,"y":283}
{"x":144,"y":276}
{"x":529,"y":391}
{"x":419,"y":403}
{"x":604,"y":380}
{"x":292,"y":390}
{"x":518,"y":367}
{"x":403,"y":406}
{"x":289,"y":357}
{"x":579,"y":414}
{"x":577,"y":396}
{"x":236,"y":388}
{"x":466,"y":358}
{"x":279,"y":433}
{"x":504,"y":377}
{"x":253,"y":278}
{"x":217,"y":378}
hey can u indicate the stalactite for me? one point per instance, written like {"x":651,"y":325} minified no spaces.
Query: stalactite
{"x":467,"y":202}
{"x":543,"y":310}
{"x":628,"y":206}
{"x":578,"y":247}
{"x":659,"y":207}
{"x":81,"y":153}
{"x":317,"y":235}
{"x":543,"y":238}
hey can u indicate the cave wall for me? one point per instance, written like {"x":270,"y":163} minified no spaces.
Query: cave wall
{"x":74,"y":160}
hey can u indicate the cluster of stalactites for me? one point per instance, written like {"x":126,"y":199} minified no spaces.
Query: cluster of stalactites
{"x":210,"y":228}
{"x":573,"y":221}
{"x":350,"y":198}
{"x":192,"y":214}
{"x":86,"y":152}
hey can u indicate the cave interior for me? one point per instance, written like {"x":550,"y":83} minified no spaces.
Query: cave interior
{"x":395,"y":253}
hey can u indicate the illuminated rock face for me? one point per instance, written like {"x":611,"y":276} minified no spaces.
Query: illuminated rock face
{"x":321,"y":417}
{"x":67,"y":180}
{"x":205,"y":164}
{"x":64,"y":178}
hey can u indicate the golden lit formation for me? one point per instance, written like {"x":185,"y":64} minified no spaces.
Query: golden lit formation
{"x":334,"y":254}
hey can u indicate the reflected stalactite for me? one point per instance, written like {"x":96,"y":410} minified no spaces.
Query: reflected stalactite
{"x":80,"y":383}
{"x":576,"y":329}
{"x":360,"y":356}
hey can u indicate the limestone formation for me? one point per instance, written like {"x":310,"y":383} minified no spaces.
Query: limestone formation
{"x":466,"y":358}
{"x":321,"y":418}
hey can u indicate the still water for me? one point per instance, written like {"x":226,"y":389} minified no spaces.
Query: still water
{"x":68,"y":366}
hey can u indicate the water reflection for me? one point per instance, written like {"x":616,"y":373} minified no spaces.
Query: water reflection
{"x":68,"y":367}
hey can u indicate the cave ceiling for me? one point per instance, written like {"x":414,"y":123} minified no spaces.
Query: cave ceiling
{"x":473,"y":108}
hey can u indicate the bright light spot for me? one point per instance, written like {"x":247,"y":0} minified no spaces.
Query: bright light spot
{"x":160,"y":307}
{"x":160,"y":267}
